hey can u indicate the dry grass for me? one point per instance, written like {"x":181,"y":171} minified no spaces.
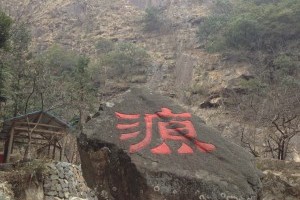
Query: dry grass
{"x":21,"y":174}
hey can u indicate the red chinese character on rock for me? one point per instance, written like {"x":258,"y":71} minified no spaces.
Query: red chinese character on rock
{"x":176,"y":128}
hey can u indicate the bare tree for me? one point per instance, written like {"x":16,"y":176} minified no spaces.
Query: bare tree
{"x":284,"y":127}
{"x":276,"y":110}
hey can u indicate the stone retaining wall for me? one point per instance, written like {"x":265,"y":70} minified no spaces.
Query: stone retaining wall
{"x":64,"y":181}
{"x":5,"y":191}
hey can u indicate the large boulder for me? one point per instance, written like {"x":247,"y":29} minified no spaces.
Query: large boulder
{"x":144,"y":146}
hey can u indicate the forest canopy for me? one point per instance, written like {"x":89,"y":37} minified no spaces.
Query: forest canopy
{"x":251,"y":25}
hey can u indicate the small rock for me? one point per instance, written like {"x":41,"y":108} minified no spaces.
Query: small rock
{"x":58,"y":187}
{"x":47,"y":185}
{"x":61,"y":194}
{"x":54,"y":177}
{"x":61,"y":175}
{"x":52,"y":193}
{"x":48,"y":198}
{"x":66,"y":194}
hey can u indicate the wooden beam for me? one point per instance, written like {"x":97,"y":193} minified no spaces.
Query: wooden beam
{"x":43,"y":136}
{"x":34,"y":143}
{"x":38,"y":118}
{"x":26,"y":137}
{"x":37,"y":130}
{"x":57,"y":121}
{"x":11,"y":138}
{"x":38,"y":124}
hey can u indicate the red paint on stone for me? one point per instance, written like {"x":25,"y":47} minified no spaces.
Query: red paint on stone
{"x":129,"y":135}
{"x":127,"y":126}
{"x":179,"y":128}
{"x":125,"y":116}
{"x":147,"y":140}
{"x":162,"y":149}
{"x":167,"y":113}
{"x":204,"y":147}
{"x":185,"y":149}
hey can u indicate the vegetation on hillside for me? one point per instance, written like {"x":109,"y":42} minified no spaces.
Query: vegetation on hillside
{"x":154,"y":21}
{"x":55,"y":80}
{"x":255,"y":25}
{"x":5,"y":26}
{"x":123,"y":61}
{"x":59,"y":79}
{"x":266,"y":34}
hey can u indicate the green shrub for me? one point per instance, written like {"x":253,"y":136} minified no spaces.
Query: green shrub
{"x":258,"y":2}
{"x":104,"y":46}
{"x":210,"y":26}
{"x":286,"y":64}
{"x":253,"y":85}
{"x":197,"y":89}
{"x":5,"y":24}
{"x":59,"y":60}
{"x":125,"y":60}
{"x":222,"y":7}
{"x":152,"y":19}
{"x":243,"y":32}
{"x":286,"y":70}
{"x":252,"y":25}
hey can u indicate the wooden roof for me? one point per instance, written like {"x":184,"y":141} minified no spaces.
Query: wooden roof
{"x":42,"y":120}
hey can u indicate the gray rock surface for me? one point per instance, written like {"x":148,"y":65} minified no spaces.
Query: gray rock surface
{"x":169,"y":164}
{"x":281,"y":180}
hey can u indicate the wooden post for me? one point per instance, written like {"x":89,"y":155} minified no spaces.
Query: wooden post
{"x":54,"y":148}
{"x":11,"y":138}
{"x":13,"y":144}
{"x":49,"y":148}
{"x":62,"y":151}
{"x":5,"y":149}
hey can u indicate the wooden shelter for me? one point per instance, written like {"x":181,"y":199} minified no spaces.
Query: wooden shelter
{"x":41,"y":130}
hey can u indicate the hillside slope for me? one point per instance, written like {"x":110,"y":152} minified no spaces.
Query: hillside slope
{"x":180,"y":67}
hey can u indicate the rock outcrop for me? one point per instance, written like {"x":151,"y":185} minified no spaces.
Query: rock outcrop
{"x":144,"y":146}
{"x":281,"y":180}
